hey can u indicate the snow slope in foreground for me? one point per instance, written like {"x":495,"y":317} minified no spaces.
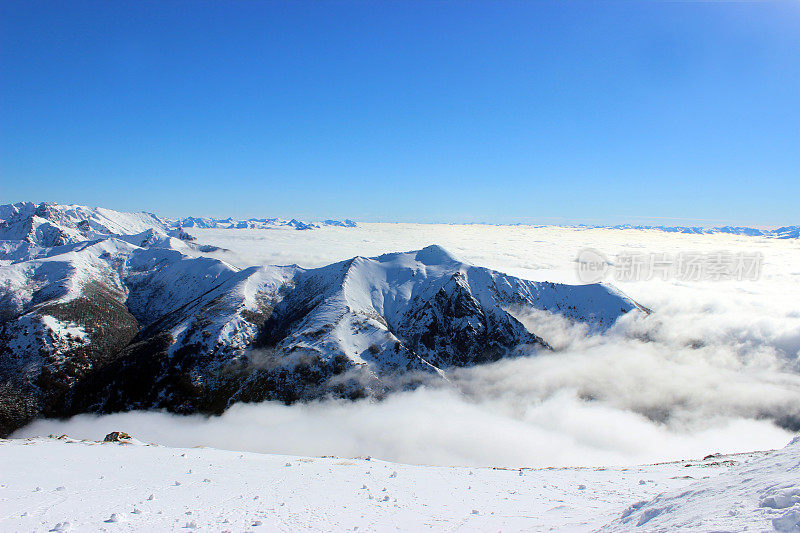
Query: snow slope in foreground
{"x":64,"y":484}
{"x":751,"y":496}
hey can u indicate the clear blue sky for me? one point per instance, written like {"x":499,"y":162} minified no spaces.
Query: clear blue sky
{"x":598,"y":112}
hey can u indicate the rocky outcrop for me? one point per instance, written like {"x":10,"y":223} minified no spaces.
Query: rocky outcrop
{"x":117,"y":436}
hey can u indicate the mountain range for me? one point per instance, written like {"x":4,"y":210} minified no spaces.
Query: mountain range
{"x":255,"y":223}
{"x":785,"y":232}
{"x":48,"y":224}
{"x":120,"y":322}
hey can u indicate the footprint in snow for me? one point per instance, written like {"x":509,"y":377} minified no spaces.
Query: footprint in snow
{"x":61,"y":526}
{"x":113,"y":518}
{"x":190,"y":525}
{"x":150,"y":498}
{"x":256,"y":523}
{"x":177,"y":483}
{"x":393,"y":474}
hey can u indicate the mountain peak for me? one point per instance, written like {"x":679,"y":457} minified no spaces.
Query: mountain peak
{"x":435,"y":255}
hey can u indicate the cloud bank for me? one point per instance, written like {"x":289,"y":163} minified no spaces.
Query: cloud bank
{"x":716,"y":368}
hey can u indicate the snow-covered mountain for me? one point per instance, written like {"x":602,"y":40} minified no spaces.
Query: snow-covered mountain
{"x":786,"y":232}
{"x":49,"y":224}
{"x":255,"y":223}
{"x":121,"y":323}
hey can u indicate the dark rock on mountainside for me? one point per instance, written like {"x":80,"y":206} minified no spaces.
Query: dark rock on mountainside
{"x":117,"y":436}
{"x":62,"y":362}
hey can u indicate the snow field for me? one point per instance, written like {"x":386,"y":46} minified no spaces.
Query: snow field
{"x":91,"y":486}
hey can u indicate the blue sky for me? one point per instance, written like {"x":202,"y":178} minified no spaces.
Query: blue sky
{"x":567,"y":112}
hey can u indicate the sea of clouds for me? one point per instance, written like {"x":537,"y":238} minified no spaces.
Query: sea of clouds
{"x":714,"y":368}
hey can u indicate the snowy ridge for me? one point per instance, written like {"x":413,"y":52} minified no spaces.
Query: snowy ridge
{"x":129,"y":322}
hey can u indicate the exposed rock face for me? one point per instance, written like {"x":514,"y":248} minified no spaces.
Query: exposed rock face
{"x":121,"y":323}
{"x":117,"y":436}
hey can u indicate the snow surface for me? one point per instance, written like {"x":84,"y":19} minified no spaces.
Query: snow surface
{"x":62,"y":484}
{"x":762,"y":492}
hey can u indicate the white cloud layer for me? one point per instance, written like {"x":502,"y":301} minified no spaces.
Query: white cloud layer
{"x":711,"y":370}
